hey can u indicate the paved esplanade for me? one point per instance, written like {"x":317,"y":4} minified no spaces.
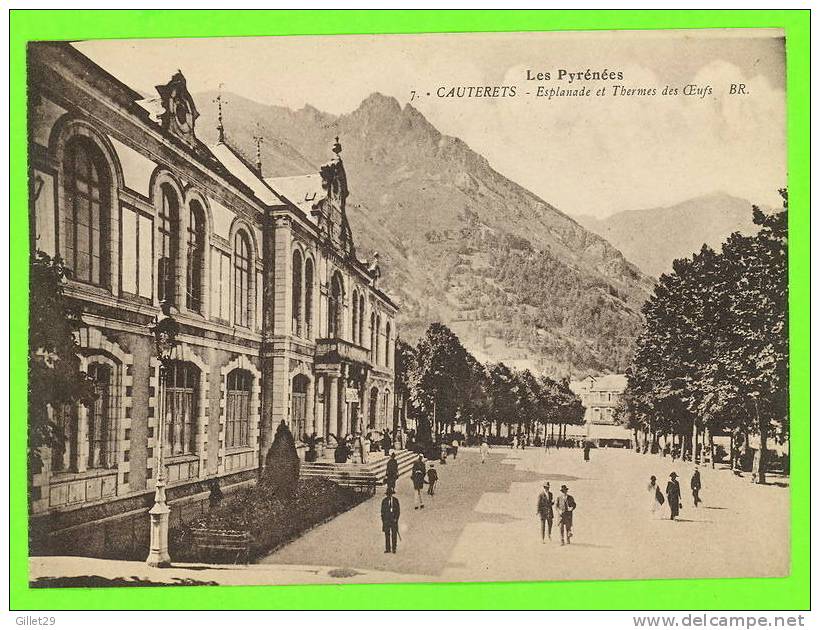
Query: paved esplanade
{"x":481,"y":525}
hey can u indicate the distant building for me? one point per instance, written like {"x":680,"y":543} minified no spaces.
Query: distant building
{"x":601,"y":395}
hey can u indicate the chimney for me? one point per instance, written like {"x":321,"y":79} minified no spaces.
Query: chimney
{"x":258,"y":138}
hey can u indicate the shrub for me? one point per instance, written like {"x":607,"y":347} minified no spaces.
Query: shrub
{"x":271,"y":520}
{"x":281,"y":465}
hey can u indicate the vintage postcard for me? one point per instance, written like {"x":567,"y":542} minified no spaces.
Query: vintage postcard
{"x":408,"y":308}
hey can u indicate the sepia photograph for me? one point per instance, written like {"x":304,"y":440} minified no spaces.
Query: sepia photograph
{"x":454,"y":307}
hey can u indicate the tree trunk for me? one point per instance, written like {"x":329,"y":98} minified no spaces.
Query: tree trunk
{"x":712,"y":449}
{"x":694,"y":442}
{"x":764,"y":441}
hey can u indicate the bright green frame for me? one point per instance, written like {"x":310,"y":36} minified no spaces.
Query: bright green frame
{"x":750,"y":593}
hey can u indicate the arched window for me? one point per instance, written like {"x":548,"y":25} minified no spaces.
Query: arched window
{"x":309,"y":298}
{"x":182,"y":401}
{"x":101,"y":433}
{"x":373,"y":337}
{"x":355,"y":329}
{"x":378,"y":359}
{"x":296,"y":286}
{"x":334,"y":311}
{"x":387,"y":331}
{"x":361,"y":319}
{"x":374,"y":404}
{"x":386,"y":408}
{"x":241,"y":280}
{"x":168,"y":226}
{"x":298,"y":405}
{"x":238,"y":410}
{"x":196,"y":257}
{"x":87,"y":213}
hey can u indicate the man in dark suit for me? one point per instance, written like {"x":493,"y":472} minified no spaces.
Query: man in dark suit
{"x":696,"y":486}
{"x":392,"y":473}
{"x":565,"y":506}
{"x":390,"y":521}
{"x":544,"y":510}
{"x":673,"y":495}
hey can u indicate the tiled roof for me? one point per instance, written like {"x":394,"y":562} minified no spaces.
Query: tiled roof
{"x":303,"y":191}
{"x":232,"y":161}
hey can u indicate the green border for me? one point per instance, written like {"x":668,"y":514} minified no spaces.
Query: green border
{"x":769,"y":593}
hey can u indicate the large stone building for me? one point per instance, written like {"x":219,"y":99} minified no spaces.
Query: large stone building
{"x":601,"y":396}
{"x":280,"y":320}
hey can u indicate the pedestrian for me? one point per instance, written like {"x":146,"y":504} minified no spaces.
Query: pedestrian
{"x":514,"y":443}
{"x":432,"y":478}
{"x":386,"y":444}
{"x":392,"y":473}
{"x":696,"y":485}
{"x":544,"y":510}
{"x":455,"y":448}
{"x":655,"y":496}
{"x":586,"y":451}
{"x":565,"y":506}
{"x":417,"y":475}
{"x":673,"y":495}
{"x":443,"y":453}
{"x":391,"y":510}
{"x":484,"y":449}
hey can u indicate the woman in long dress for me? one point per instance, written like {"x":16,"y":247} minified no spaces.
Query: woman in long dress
{"x":654,"y":494}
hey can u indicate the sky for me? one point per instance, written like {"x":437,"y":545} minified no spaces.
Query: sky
{"x":593,"y":156}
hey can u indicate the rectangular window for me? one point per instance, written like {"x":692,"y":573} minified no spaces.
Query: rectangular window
{"x":46,"y":231}
{"x":238,"y":411}
{"x":64,"y":452}
{"x":225,"y":284}
{"x":181,"y":390}
{"x":136,"y":253}
{"x":259,"y":300}
{"x":146,"y":257}
{"x":220,"y":285}
{"x":101,"y":431}
{"x":129,"y":246}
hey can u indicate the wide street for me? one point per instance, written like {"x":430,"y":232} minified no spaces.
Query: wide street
{"x":481,"y":525}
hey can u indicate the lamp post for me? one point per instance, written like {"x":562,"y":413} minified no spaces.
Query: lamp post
{"x":164,"y":329}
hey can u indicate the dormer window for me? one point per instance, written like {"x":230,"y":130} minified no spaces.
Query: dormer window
{"x":179,"y":112}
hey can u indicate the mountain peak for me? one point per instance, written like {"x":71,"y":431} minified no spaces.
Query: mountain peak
{"x":378,"y":101}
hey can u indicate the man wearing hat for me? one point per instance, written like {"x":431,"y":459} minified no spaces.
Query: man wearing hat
{"x":673,"y":495}
{"x":390,"y":521}
{"x":565,"y":506}
{"x":392,"y":473}
{"x":544,"y":510}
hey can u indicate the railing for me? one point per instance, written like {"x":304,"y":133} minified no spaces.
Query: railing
{"x":334,"y":350}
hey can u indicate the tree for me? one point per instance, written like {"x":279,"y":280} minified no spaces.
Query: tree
{"x":713,"y":355}
{"x":476,"y":404}
{"x":55,"y":379}
{"x":439,"y":376}
{"x":502,"y":392}
{"x":405,"y":357}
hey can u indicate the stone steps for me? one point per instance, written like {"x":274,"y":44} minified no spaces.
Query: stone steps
{"x":351,"y":473}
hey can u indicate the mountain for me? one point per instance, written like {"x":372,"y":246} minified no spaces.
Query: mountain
{"x":654,"y":237}
{"x":518,"y":280}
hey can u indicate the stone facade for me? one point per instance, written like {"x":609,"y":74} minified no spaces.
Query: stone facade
{"x":600,"y":395}
{"x":280,"y":321}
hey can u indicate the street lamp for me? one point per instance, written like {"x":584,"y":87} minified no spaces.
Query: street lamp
{"x":164,"y":329}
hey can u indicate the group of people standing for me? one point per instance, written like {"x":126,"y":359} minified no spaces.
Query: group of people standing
{"x":420,"y":475}
{"x":546,"y":508}
{"x":358,"y":446}
{"x":673,"y":494}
